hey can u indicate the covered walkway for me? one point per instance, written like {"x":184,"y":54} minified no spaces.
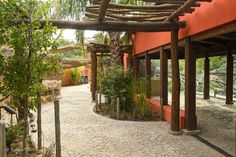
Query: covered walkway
{"x":85,"y":133}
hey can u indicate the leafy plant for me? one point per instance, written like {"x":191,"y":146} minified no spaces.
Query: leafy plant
{"x":12,"y":134}
{"x":141,"y":107}
{"x":116,"y":83}
{"x":32,"y":46}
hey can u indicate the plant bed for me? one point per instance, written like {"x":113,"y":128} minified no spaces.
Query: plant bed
{"x":105,"y":110}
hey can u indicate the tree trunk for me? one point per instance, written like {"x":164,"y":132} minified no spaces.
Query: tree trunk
{"x":21,"y":110}
{"x":115,"y":47}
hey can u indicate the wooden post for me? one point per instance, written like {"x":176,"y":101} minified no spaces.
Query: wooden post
{"x":230,"y":78}
{"x":175,"y":124}
{"x":163,"y":80}
{"x":148,"y":73}
{"x":136,"y":67}
{"x":100,"y":97}
{"x":96,"y":101}
{"x":94,"y":74}
{"x":57,"y":127}
{"x":206,"y":78}
{"x":190,"y":87}
{"x":39,"y":121}
{"x":122,"y":59}
{"x":118,"y":108}
{"x":2,"y":140}
{"x":129,"y":59}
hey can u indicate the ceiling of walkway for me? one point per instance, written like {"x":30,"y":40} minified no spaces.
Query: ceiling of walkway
{"x":157,"y":16}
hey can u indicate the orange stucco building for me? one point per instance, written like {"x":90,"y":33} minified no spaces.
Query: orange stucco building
{"x":207,"y":17}
{"x":210,"y":31}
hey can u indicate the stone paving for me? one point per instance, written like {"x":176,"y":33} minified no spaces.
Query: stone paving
{"x":86,"y":134}
{"x":216,"y":122}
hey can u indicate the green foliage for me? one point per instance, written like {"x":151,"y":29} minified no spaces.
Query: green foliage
{"x":72,"y":54}
{"x":139,"y":86}
{"x":31,"y":46}
{"x":218,"y":63}
{"x":75,"y":75}
{"x":116,"y":82}
{"x":199,"y":65}
{"x":74,"y":9}
{"x":12,"y":134}
{"x":141,"y":107}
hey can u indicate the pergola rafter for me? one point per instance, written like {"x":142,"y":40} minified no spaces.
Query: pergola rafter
{"x":162,"y":11}
{"x":128,"y":26}
{"x":102,"y":48}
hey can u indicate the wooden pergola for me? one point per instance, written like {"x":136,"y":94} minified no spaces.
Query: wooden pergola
{"x":161,"y":17}
{"x":162,"y":13}
{"x":101,"y":50}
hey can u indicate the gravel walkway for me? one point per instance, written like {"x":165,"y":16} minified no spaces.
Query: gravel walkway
{"x":87,"y":134}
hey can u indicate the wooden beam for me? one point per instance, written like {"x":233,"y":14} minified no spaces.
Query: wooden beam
{"x":211,"y":43}
{"x":102,"y":9}
{"x":183,"y":8}
{"x":230,"y":78}
{"x":117,"y":25}
{"x":158,"y":2}
{"x":163,"y":79}
{"x":148,"y":74}
{"x":133,"y":18}
{"x":114,"y":10}
{"x":225,"y":37}
{"x":190,"y":87}
{"x":153,"y":7}
{"x":224,"y":29}
{"x":206,"y":78}
{"x":95,"y":16}
{"x":175,"y":106}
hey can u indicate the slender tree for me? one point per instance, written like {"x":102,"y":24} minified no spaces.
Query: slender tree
{"x":31,"y":46}
{"x":74,"y":10}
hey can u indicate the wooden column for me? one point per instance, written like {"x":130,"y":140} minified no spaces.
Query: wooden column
{"x":148,"y":73}
{"x":190,"y":86}
{"x":2,"y":139}
{"x":94,"y":74}
{"x":136,"y":68}
{"x":129,"y":59}
{"x":206,"y":78}
{"x":57,"y":127}
{"x":175,"y":124}
{"x":230,"y":77}
{"x":163,"y":79}
{"x":39,"y":120}
{"x":122,"y":59}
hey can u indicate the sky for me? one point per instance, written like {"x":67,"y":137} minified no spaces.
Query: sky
{"x":69,"y":34}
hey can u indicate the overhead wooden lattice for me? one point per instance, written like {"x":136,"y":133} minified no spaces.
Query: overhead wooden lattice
{"x":162,"y":11}
{"x":106,"y":16}
{"x":102,"y":48}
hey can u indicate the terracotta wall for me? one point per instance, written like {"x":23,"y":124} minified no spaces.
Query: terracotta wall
{"x":208,"y":16}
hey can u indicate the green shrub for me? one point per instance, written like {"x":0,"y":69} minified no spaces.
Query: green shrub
{"x":141,"y":107}
{"x":12,"y":134}
{"x":116,"y":82}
